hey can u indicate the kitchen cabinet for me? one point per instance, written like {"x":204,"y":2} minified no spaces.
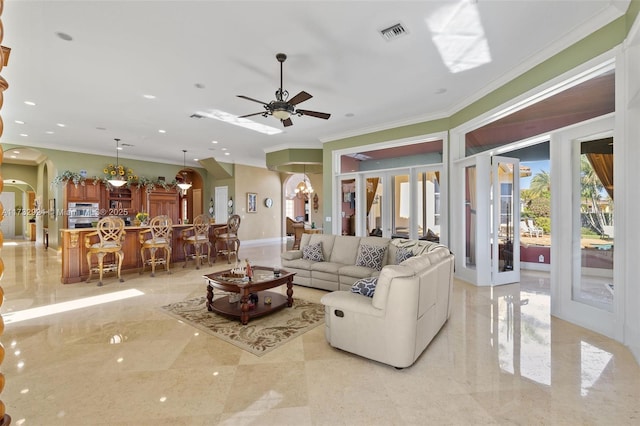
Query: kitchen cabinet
{"x":163,"y":202}
{"x":90,"y":191}
{"x":122,"y":201}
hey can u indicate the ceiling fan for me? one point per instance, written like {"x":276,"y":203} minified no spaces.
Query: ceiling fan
{"x":282,"y":107}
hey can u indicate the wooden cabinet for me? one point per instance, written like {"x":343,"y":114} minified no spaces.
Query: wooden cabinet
{"x":122,"y":201}
{"x":164,"y":202}
{"x":90,"y":191}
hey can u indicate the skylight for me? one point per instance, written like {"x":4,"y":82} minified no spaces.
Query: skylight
{"x":459,"y":36}
{"x":242,"y":122}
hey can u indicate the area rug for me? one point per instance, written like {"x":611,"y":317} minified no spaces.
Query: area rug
{"x":262,"y":334}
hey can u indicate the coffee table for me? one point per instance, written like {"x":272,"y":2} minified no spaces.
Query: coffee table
{"x":263,"y":279}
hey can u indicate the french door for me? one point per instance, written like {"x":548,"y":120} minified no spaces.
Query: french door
{"x":486,"y":229}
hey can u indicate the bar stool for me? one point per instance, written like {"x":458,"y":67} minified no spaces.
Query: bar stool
{"x":161,"y":228}
{"x":228,"y":236}
{"x":110,"y":231}
{"x":196,"y":236}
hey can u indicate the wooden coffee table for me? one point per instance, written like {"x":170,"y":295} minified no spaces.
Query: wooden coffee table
{"x":263,"y":279}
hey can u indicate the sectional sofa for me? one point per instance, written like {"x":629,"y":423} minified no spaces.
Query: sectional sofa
{"x":336,"y":262}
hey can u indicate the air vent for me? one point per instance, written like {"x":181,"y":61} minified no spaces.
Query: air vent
{"x":196,"y":115}
{"x":393,"y":32}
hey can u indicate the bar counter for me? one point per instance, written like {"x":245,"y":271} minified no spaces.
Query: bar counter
{"x":74,"y":253}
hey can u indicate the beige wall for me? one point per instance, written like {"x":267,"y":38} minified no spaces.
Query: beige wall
{"x":266,"y":222}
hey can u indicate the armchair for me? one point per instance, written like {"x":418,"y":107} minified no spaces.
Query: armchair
{"x":110,"y":233}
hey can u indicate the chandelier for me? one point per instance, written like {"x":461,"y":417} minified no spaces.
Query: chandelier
{"x":303,"y":188}
{"x":117,"y":181}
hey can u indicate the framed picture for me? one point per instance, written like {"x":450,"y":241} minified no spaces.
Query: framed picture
{"x":52,"y":208}
{"x":252,"y":202}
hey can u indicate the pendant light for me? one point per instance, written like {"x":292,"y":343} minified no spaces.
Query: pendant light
{"x":184,"y":185}
{"x":117,"y":181}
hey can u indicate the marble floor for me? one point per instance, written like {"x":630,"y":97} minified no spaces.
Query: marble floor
{"x":500,"y":359}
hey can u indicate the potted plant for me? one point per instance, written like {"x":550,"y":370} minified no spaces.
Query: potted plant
{"x":141,"y":218}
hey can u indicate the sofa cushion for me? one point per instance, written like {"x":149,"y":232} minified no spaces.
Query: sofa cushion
{"x":313,"y":252}
{"x":403,"y":254}
{"x":371,"y":256}
{"x":345,"y":250}
{"x":365,"y":286}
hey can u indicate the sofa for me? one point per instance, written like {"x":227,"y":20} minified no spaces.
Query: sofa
{"x":341,"y":260}
{"x":410,"y":304}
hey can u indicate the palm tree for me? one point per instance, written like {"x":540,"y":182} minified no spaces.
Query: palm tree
{"x":590,"y":189}
{"x":540,"y":184}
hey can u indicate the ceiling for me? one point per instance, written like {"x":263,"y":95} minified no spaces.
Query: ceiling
{"x":88,"y":66}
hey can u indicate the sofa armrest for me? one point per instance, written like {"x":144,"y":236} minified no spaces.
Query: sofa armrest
{"x":351,"y":302}
{"x":291,"y":255}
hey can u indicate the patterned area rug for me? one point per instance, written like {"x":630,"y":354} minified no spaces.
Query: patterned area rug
{"x":262,"y":334}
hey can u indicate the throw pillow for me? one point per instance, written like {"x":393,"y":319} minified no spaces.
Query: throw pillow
{"x":403,"y":254}
{"x":313,"y":252}
{"x":365,"y":286}
{"x":371,"y":256}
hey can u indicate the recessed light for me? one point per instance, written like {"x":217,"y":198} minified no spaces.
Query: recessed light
{"x":24,"y":134}
{"x":162,"y":131}
{"x":16,"y":152}
{"x":148,"y":96}
{"x":13,"y":156}
{"x":30,"y":103}
{"x":60,"y":125}
{"x":49,"y":132}
{"x":196,"y":159}
{"x":119,"y":148}
{"x":349,"y":114}
{"x":214,"y":141}
{"x":224,"y":149}
{"x":19,"y":122}
{"x":64,"y":36}
{"x":227,"y":153}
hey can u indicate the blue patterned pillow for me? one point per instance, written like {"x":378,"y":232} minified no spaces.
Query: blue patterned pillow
{"x":403,"y":254}
{"x":313,"y":252}
{"x":365,"y":286}
{"x":371,"y":256}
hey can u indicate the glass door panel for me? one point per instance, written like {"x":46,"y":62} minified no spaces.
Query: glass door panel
{"x":595,"y":212}
{"x":348,"y":207}
{"x":428,"y":200}
{"x":374,"y":208}
{"x":469,"y":215}
{"x":505,"y":174}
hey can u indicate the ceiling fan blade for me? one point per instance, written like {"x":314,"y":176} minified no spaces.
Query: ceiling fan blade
{"x":251,"y":115}
{"x":316,"y":114}
{"x":299,"y":98}
{"x":251,"y":99}
{"x":287,"y":122}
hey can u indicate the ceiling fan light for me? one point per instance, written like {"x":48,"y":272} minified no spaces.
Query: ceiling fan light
{"x":281,"y":114}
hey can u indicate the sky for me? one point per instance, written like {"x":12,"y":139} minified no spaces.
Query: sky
{"x":536,"y":167}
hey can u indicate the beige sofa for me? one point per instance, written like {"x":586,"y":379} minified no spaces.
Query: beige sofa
{"x":339,"y":269}
{"x":411,"y":303}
